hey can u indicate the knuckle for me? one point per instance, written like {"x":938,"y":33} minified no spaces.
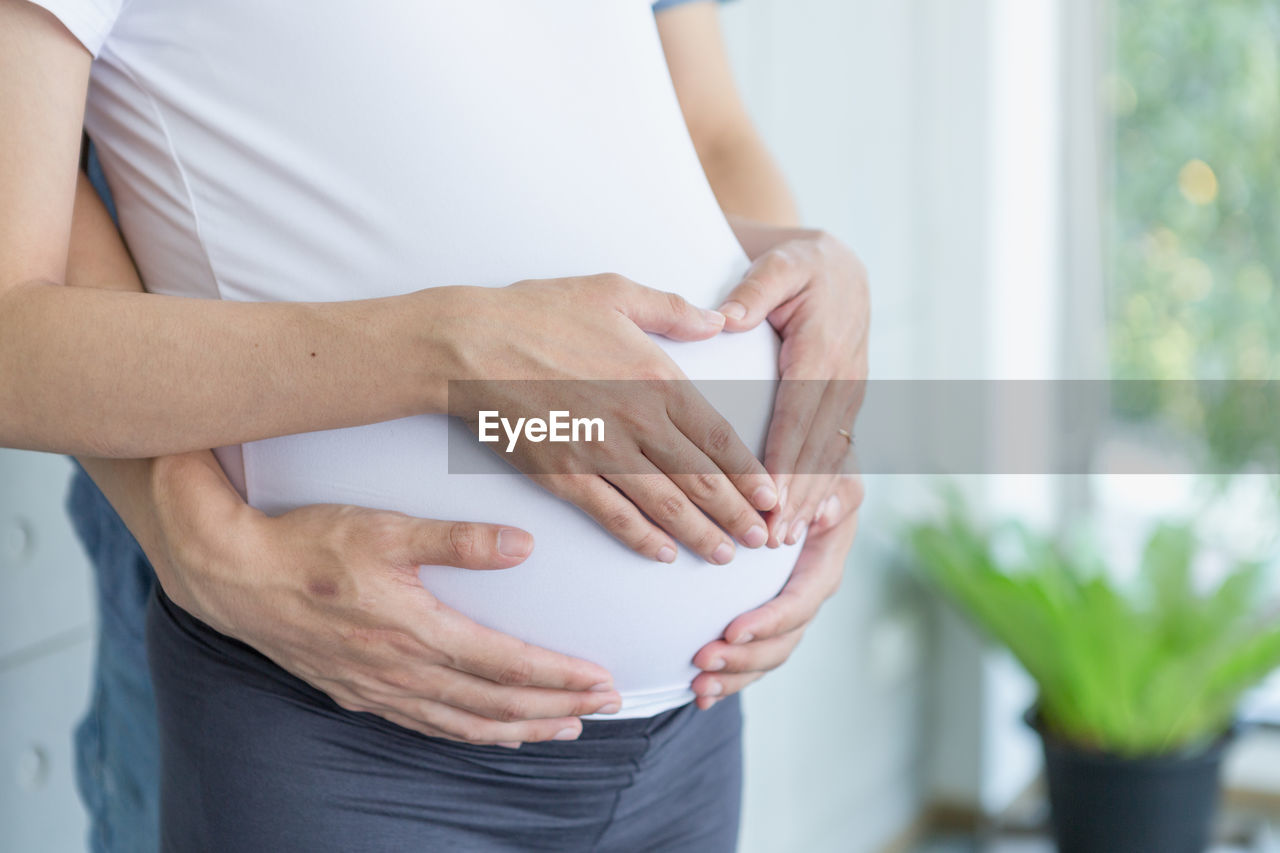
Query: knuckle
{"x":743,"y":519}
{"x":771,"y":624}
{"x":619,"y":521}
{"x":648,"y":543}
{"x":720,"y":437}
{"x":778,"y":262}
{"x":513,"y":710}
{"x":675,"y":302}
{"x":613,"y":280}
{"x":669,"y":508}
{"x":517,"y":672}
{"x":705,"y":485}
{"x":753,"y":288}
{"x":708,"y":541}
{"x":464,"y":541}
{"x":654,"y":372}
{"x":471,"y":731}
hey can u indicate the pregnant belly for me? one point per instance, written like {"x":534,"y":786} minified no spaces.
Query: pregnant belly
{"x":580,"y":592}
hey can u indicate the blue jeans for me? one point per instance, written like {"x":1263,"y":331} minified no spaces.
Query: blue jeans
{"x":116,"y":745}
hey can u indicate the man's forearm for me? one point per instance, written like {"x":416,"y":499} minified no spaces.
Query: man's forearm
{"x":152,"y":496}
{"x":187,"y":374}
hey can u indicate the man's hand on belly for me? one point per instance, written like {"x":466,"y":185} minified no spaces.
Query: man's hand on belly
{"x":331,"y":594}
{"x":762,"y":639}
{"x":814,"y":291}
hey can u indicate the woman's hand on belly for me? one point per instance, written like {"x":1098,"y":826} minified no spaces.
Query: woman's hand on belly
{"x":763,"y":639}
{"x":667,"y":466}
{"x":331,"y":594}
{"x":814,"y":292}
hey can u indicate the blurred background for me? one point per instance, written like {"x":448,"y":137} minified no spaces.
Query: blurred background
{"x":1042,"y":189}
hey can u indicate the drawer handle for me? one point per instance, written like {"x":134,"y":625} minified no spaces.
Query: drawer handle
{"x":17,"y":542}
{"x":33,"y":768}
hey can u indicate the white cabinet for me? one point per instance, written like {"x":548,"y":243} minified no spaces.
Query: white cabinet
{"x":46,"y":597}
{"x":45,"y":586}
{"x":40,"y":703}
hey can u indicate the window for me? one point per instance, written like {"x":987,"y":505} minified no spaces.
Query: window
{"x":1192,"y":234}
{"x":1193,"y":237}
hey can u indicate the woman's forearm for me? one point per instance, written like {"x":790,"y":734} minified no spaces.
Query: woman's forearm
{"x":187,"y":374}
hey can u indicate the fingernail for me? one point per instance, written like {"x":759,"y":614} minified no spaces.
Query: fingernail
{"x":566,"y":734}
{"x":666,"y":554}
{"x":744,"y":639}
{"x":713,"y":318}
{"x":722,"y":554}
{"x":733,"y":310}
{"x":514,"y":543}
{"x":822,"y":510}
{"x":782,"y":531}
{"x":782,"y":498}
{"x":833,"y":507}
{"x":716,"y":665}
{"x":755,"y":537}
{"x":509,"y":744}
{"x":765,"y":497}
{"x":712,"y":688}
{"x":797,"y":532}
{"x":602,"y":687}
{"x":611,"y":708}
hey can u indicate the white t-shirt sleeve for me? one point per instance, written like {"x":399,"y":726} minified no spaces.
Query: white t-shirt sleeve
{"x":88,"y":20}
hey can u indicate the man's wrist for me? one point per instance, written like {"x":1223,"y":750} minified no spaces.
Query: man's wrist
{"x":203,"y":524}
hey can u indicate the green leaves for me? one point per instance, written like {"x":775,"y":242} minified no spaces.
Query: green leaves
{"x":1147,"y":670}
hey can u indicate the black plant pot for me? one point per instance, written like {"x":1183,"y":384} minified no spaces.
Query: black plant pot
{"x":1103,"y":803}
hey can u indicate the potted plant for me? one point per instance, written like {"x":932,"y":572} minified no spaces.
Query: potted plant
{"x":1138,"y":682}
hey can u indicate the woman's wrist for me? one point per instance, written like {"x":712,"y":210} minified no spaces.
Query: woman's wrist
{"x":446,"y":326}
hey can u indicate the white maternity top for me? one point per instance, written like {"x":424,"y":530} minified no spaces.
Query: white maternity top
{"x":319,"y":151}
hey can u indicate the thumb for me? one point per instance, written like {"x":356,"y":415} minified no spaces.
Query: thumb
{"x":772,"y":280}
{"x":668,"y":314}
{"x":468,"y":544}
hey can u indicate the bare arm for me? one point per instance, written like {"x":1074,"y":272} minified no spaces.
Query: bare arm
{"x":743,"y":174}
{"x":126,"y":374}
{"x":814,"y":292}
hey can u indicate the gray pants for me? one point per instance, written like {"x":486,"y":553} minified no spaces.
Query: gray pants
{"x":253,"y":759}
